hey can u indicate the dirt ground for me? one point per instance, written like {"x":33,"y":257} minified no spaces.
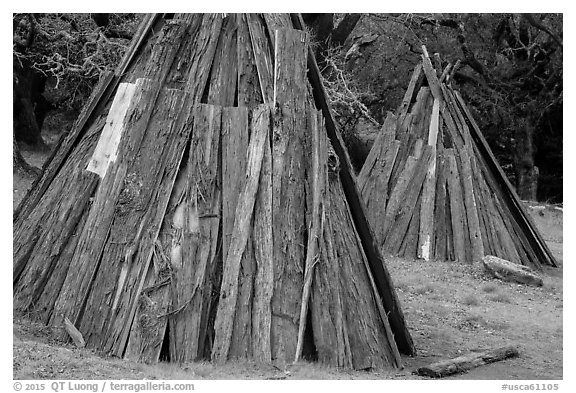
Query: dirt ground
{"x":451,"y":309}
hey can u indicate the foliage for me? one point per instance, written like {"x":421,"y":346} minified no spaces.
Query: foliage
{"x":71,"y":50}
{"x":345,"y":95}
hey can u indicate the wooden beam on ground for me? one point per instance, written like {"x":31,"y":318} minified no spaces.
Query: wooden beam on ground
{"x":467,"y":362}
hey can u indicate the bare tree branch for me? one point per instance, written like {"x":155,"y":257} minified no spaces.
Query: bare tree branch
{"x":540,"y":26}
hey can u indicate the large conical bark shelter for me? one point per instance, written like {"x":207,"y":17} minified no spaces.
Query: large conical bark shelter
{"x":203,"y":206}
{"x":433,"y":188}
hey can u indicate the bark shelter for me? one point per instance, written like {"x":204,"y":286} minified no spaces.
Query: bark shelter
{"x":201,"y":209}
{"x":434,"y":189}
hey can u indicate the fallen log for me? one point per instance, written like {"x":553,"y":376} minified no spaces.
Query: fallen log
{"x":509,"y":271}
{"x":466,"y":362}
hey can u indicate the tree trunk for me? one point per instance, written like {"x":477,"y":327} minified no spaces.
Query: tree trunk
{"x":19,"y":164}
{"x":526,"y":172}
{"x":29,"y":105}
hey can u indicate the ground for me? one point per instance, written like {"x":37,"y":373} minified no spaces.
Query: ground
{"x":451,"y":309}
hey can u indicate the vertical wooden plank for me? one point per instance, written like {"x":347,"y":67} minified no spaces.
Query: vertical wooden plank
{"x":106,"y":150}
{"x":438,"y":64}
{"x":275,"y":22}
{"x":149,"y":21}
{"x":365,"y":326}
{"x":224,"y":73}
{"x":327,"y":305}
{"x":451,"y":128}
{"x":170,"y":162}
{"x":318,"y":191}
{"x":381,"y":145}
{"x":249,"y":91}
{"x":467,"y":241}
{"x":83,"y":267}
{"x":509,"y":247}
{"x":374,"y":178}
{"x":523,"y":219}
{"x":471,"y":208}
{"x":423,"y":130}
{"x":290,"y":149}
{"x":43,"y":237}
{"x":227,"y":305}
{"x":49,"y":267}
{"x":262,"y":56}
{"x":457,"y":212}
{"x":148,"y":330}
{"x":382,"y":278}
{"x":413,"y":86}
{"x":419,"y":113}
{"x":487,"y":236}
{"x":489,"y":212}
{"x":406,"y":147}
{"x":202,"y":55}
{"x":450,"y":255}
{"x":395,"y":201}
{"x":417,"y":148}
{"x":349,"y":331}
{"x":409,"y":198}
{"x":431,"y":75}
{"x":425,"y":238}
{"x":440,"y":209}
{"x":196,"y":223}
{"x":91,"y":242}
{"x":263,"y":255}
{"x":127,"y":249}
{"x":377,"y":191}
{"x":409,"y":245}
{"x":151,"y":319}
{"x":235,"y":139}
{"x":164,"y":51}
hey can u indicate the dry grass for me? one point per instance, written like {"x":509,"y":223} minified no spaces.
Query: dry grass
{"x":500,"y":298}
{"x":470,"y":300}
{"x":424,"y":289}
{"x":489,"y":288}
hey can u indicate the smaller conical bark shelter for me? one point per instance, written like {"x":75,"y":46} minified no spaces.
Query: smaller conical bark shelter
{"x":203,"y":207}
{"x":433,"y":188}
